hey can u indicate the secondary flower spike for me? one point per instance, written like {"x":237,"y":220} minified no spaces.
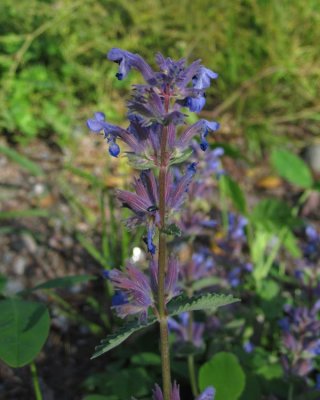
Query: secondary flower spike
{"x":207,"y":394}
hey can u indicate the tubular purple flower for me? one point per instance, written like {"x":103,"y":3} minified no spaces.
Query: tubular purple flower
{"x":144,"y":203}
{"x":126,"y":61}
{"x":195,"y":104}
{"x":98,"y":124}
{"x":136,"y":294}
{"x":182,"y":329}
{"x":202,"y":127}
{"x":203,"y":78}
{"x":171,"y":279}
{"x":176,"y":195}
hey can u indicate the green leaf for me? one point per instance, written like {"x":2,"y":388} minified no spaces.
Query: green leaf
{"x":292,"y":168}
{"x":207,"y":301}
{"x":24,"y":328}
{"x":233,"y":190}
{"x":273,"y":215}
{"x":173,"y":230}
{"x":146,"y":359}
{"x":225,"y":374}
{"x":120,"y":336}
{"x":23,"y":161}
{"x":64,"y":282}
{"x":317,"y":186}
{"x":31,"y":213}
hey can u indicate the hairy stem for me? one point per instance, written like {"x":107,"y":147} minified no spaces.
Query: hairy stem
{"x":162,"y":266}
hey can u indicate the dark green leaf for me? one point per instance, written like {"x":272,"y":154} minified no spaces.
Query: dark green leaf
{"x":292,"y":168}
{"x":207,"y":301}
{"x":120,"y":336}
{"x":24,"y":328}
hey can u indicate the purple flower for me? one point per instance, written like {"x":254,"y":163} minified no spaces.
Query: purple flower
{"x":202,"y":127}
{"x":136,"y":293}
{"x":195,"y":104}
{"x":144,"y":204}
{"x":248,"y":347}
{"x":98,"y":124}
{"x":171,"y":279}
{"x":208,"y":393}
{"x":182,"y":330}
{"x":175,"y":395}
{"x":126,"y":61}
{"x":301,"y":340}
{"x":311,"y":249}
{"x":200,"y":266}
{"x":203,"y":77}
{"x":236,"y":227}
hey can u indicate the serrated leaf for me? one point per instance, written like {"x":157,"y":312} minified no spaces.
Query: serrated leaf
{"x":119,"y":336}
{"x":207,"y":301}
{"x":173,"y":230}
{"x":292,"y":168}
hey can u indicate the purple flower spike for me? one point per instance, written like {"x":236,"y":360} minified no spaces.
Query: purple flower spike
{"x":126,"y":61}
{"x":208,"y":394}
{"x":134,"y":294}
{"x":202,"y":79}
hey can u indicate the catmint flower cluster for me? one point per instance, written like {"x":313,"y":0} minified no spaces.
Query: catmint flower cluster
{"x":300,"y":339}
{"x":157,"y":142}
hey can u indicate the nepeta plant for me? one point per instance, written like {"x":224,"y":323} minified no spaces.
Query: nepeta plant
{"x":157,"y":139}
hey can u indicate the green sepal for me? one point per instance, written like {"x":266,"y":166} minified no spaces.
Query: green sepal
{"x":138,"y":162}
{"x":120,"y":335}
{"x":179,"y":156}
{"x":207,"y":301}
{"x":172,"y":229}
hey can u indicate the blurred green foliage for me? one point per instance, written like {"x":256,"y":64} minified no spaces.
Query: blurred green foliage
{"x":54,"y":73}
